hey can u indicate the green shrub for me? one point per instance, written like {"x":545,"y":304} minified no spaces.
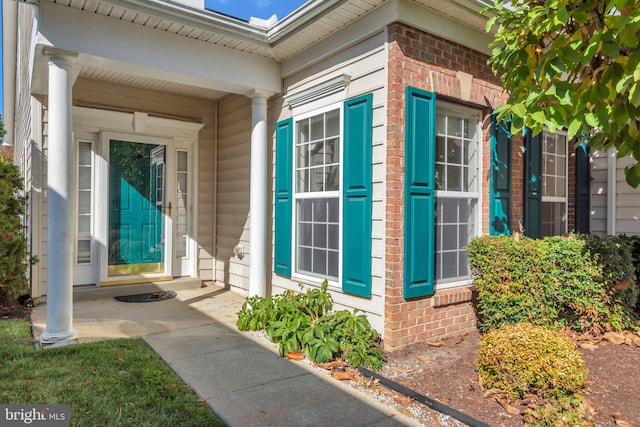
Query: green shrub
{"x":14,"y":259}
{"x":615,"y":255}
{"x":525,"y":359}
{"x":548,"y":282}
{"x":634,"y":242}
{"x":304,"y":322}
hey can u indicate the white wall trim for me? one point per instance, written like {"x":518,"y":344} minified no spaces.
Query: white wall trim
{"x":318,"y":91}
{"x":96,"y":120}
{"x":140,"y":127}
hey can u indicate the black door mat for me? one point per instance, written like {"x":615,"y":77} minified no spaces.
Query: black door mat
{"x":148,"y":297}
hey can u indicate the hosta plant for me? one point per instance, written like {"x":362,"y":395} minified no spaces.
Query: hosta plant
{"x":305,"y":322}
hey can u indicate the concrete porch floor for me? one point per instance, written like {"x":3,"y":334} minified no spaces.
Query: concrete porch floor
{"x":241,"y":378}
{"x":98,"y":315}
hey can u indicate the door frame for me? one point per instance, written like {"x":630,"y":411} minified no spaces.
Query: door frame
{"x":102,"y":214}
{"x":138,"y":127}
{"x":185,"y":266}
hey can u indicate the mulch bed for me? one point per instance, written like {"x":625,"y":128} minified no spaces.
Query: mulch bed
{"x":12,"y":309}
{"x":447,"y":374}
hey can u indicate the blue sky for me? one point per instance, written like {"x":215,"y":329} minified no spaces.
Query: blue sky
{"x":243,"y":9}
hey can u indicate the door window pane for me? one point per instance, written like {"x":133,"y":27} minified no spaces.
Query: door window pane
{"x":183,"y":197}
{"x":84,"y":195}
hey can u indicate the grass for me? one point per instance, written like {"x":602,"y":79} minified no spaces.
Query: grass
{"x":118,"y":382}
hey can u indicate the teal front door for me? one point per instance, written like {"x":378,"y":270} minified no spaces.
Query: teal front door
{"x":136,"y":209}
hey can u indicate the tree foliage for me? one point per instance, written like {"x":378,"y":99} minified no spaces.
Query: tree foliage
{"x":571,"y":64}
{"x":14,"y":259}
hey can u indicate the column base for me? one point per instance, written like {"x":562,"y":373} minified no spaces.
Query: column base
{"x":59,"y":340}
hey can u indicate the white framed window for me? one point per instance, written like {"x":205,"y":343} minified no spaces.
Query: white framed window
{"x":554,"y":183}
{"x":458,"y":191}
{"x":84,"y":195}
{"x":183,"y":198}
{"x":317,"y":188}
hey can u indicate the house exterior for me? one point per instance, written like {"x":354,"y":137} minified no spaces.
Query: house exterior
{"x":350,"y":141}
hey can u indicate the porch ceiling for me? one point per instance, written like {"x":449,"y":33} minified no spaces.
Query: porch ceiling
{"x":149,"y":83}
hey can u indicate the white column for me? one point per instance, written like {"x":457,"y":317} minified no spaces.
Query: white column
{"x":258,"y":196}
{"x":60,"y":208}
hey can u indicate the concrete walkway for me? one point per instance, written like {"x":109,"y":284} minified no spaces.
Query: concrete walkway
{"x":241,"y":378}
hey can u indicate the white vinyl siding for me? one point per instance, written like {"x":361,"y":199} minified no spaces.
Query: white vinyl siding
{"x":614,"y":205}
{"x":627,"y":201}
{"x":365,"y":62}
{"x":232,"y":192}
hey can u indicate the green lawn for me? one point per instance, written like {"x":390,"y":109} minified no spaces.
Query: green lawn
{"x":109,"y":383}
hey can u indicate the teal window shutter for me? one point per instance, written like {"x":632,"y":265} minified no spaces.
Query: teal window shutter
{"x":532,"y":184}
{"x":583,"y":189}
{"x":500,"y":178}
{"x":419,"y":195}
{"x":357,"y":195}
{"x":283,"y":198}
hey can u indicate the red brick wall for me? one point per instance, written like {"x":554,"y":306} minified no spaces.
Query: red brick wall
{"x":431,"y":63}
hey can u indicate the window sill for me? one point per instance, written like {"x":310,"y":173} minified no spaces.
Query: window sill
{"x":452,"y":296}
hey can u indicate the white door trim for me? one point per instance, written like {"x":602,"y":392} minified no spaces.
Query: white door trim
{"x":138,"y":127}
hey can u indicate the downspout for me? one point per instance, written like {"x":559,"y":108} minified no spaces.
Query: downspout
{"x":215,"y":192}
{"x":9,"y":56}
{"x":611,"y":191}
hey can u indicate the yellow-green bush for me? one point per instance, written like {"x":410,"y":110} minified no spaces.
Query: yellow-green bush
{"x":525,"y":359}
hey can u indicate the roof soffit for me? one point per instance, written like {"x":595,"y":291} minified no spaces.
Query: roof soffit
{"x":309,"y":24}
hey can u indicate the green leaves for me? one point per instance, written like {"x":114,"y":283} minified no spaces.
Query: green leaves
{"x":303,"y":321}
{"x":571,"y":64}
{"x":554,"y":282}
{"x":13,"y":250}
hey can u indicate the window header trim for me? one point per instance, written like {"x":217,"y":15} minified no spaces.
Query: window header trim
{"x":318,"y":91}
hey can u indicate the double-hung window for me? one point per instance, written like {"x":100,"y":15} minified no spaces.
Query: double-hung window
{"x":317,"y":158}
{"x":554,"y":183}
{"x":323,"y":184}
{"x":457,"y":159}
{"x":443,"y":153}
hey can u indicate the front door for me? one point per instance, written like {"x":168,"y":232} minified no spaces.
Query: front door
{"x":138,"y":241}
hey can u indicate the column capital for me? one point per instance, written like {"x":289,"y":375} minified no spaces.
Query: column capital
{"x":60,"y":55}
{"x":258,"y":95}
